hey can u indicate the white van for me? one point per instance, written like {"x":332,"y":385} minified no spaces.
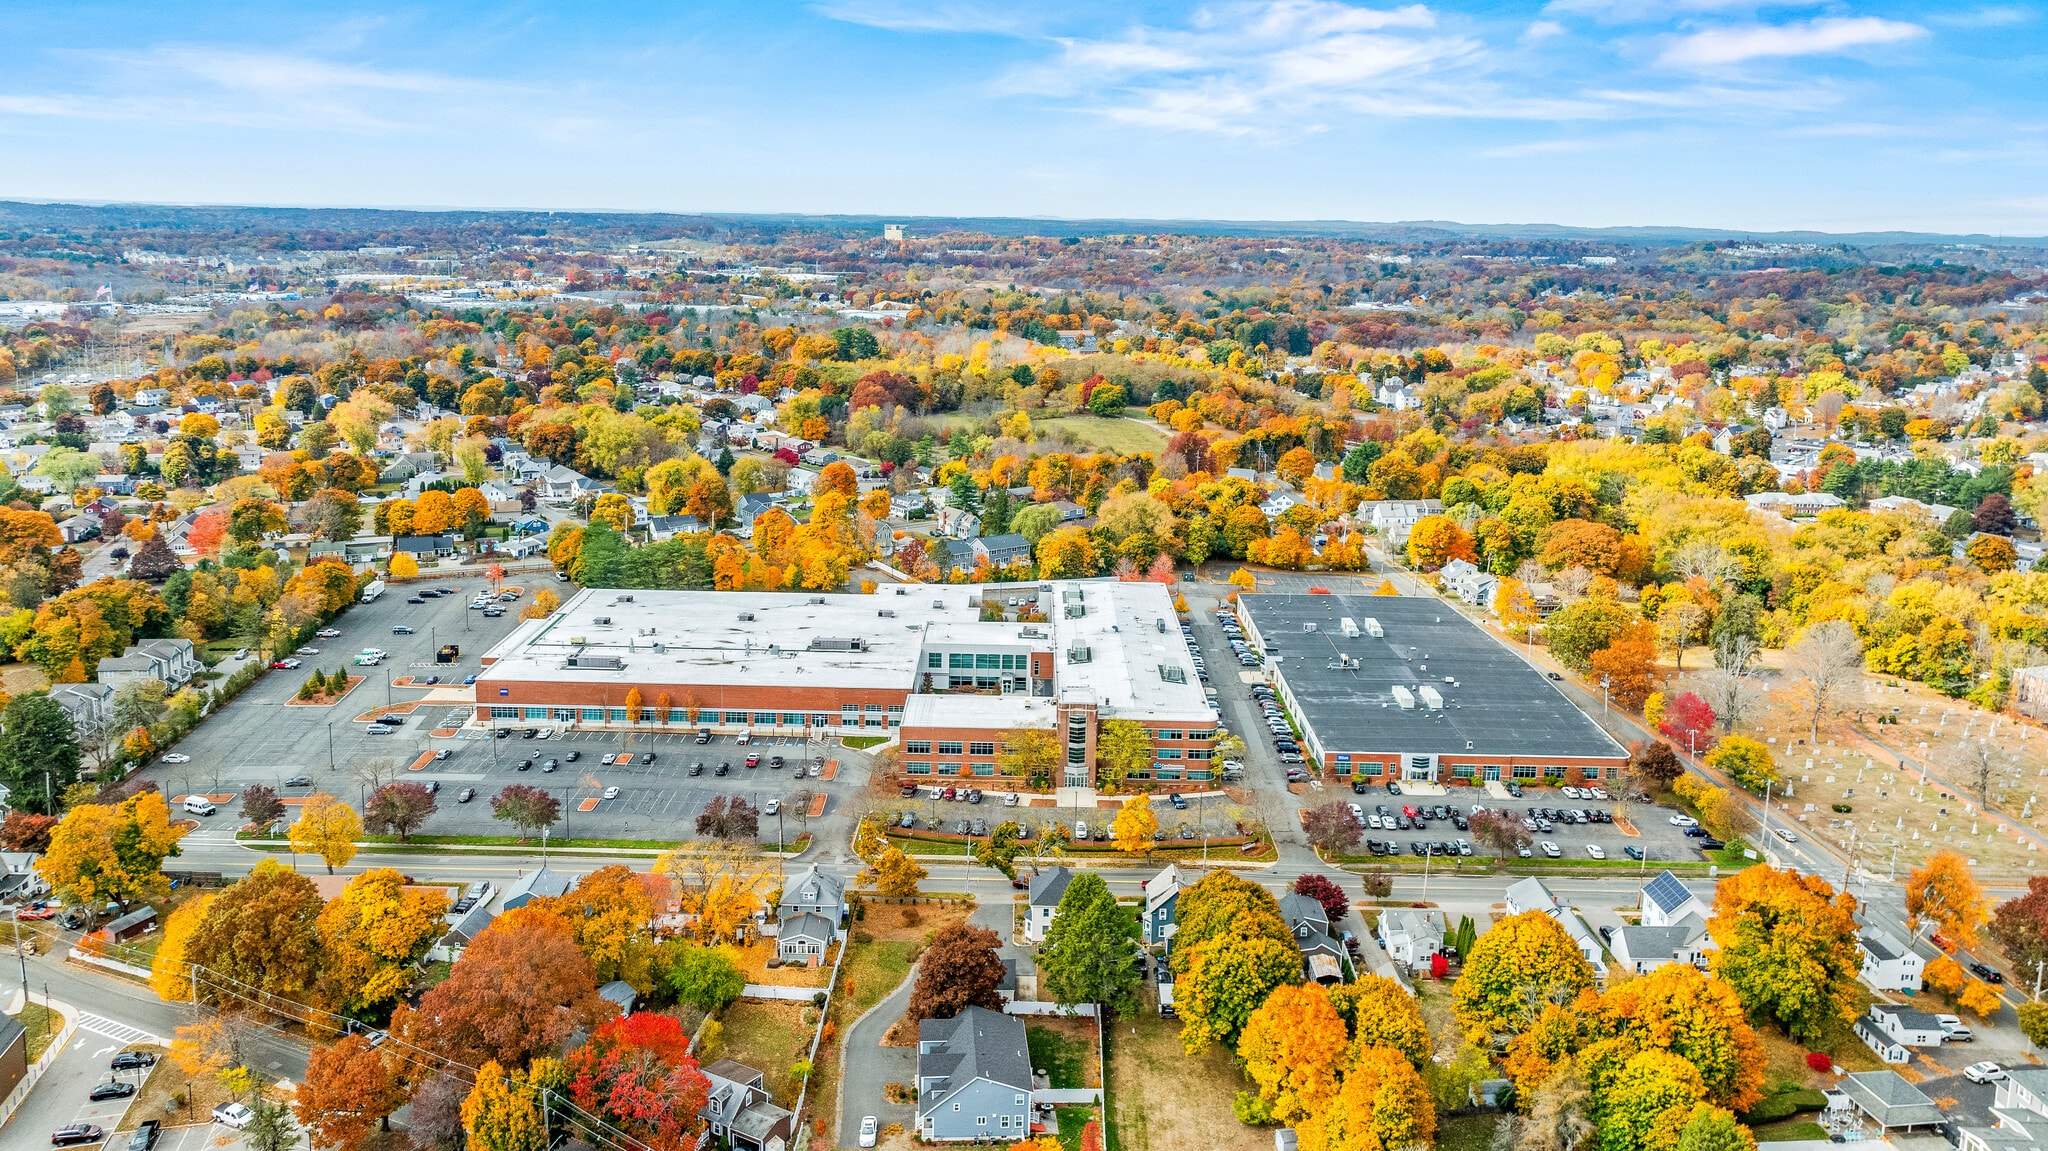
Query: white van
{"x":198,"y":805}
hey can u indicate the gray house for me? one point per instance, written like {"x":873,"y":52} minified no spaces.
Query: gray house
{"x":738,"y":1108}
{"x":538,"y":884}
{"x":174,"y":661}
{"x":1310,"y":924}
{"x":1890,"y":1101}
{"x":1001,"y":549}
{"x":1047,"y":889}
{"x":814,"y":893}
{"x":1162,"y":904}
{"x":973,"y":1077}
{"x":804,"y":939}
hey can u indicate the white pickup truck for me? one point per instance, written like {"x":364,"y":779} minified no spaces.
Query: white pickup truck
{"x":370,"y":657}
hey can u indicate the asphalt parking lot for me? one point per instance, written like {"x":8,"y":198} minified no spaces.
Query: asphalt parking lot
{"x":1658,"y":839}
{"x":257,"y":739}
{"x":1203,"y":815}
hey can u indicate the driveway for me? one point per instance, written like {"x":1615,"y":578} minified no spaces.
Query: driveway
{"x":871,"y":1066}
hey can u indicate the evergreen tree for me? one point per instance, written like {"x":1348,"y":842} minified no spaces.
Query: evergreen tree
{"x":725,"y":461}
{"x":995,"y":510}
{"x":1090,"y":952}
{"x":38,"y":752}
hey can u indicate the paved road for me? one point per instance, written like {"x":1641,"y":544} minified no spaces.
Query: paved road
{"x":870,"y":1066}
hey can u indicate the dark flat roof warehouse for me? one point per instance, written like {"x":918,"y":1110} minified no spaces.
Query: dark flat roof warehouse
{"x":1350,"y":689}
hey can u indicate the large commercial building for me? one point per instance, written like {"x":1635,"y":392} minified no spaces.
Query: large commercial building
{"x":1391,"y":687}
{"x":947,"y":669}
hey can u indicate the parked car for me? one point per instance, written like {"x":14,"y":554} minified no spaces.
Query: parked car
{"x":1632,"y":851}
{"x":1985,"y":971}
{"x":1684,"y":821}
{"x":611,"y":793}
{"x":233,"y":1115}
{"x":402,"y":629}
{"x":465,"y":795}
{"x":145,"y":1136}
{"x":1984,"y":1073}
{"x":111,"y":1089}
{"x":76,"y":1133}
{"x":867,"y":1131}
{"x":774,"y":807}
{"x":572,"y":757}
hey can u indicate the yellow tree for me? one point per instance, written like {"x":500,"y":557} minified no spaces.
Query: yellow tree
{"x":101,"y":852}
{"x":544,"y":604}
{"x":899,"y":874}
{"x":372,"y":934}
{"x":1028,"y":753}
{"x":1943,"y":893}
{"x":403,"y":566}
{"x":502,"y":1112}
{"x":1243,"y":580}
{"x":1134,"y":826}
{"x":328,"y":828}
{"x":868,"y":841}
{"x":1122,"y":746}
{"x":611,"y":913}
{"x":633,"y":702}
{"x":718,"y":885}
{"x":168,"y":976}
{"x":1522,"y":953}
{"x":1292,"y":1047}
{"x":1383,"y":1105}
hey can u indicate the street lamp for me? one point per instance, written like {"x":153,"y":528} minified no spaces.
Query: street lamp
{"x":1605,"y":681}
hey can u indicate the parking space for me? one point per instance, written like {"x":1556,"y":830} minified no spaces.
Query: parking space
{"x":1404,"y":824}
{"x":1189,"y":820}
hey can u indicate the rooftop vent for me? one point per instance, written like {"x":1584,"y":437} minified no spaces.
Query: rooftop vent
{"x":938,"y":604}
{"x":903,"y":591}
{"x":1404,"y":697}
{"x":1162,"y":625}
{"x":816,"y":600}
{"x":1172,"y":674}
{"x":887,"y":613}
{"x":623,"y":599}
{"x":830,"y":643}
{"x":603,"y":619}
{"x":1373,"y":628}
{"x":1076,"y":610}
{"x":1311,"y":626}
{"x":1431,"y":696}
{"x":746,"y":617}
{"x":1349,"y":627}
{"x":588,"y":662}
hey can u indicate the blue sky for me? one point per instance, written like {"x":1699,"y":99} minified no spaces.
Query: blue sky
{"x":1715,"y":113}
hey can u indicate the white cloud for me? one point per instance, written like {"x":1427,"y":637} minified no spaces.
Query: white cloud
{"x":893,"y":16}
{"x":1542,"y":30}
{"x":1825,"y":36}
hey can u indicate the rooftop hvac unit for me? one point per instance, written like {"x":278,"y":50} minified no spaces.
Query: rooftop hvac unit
{"x":1076,"y":610}
{"x":623,"y":599}
{"x":587,"y":662}
{"x":1079,"y":654}
{"x":660,"y":649}
{"x":938,"y":604}
{"x":746,"y":617}
{"x":576,"y":639}
{"x":1161,"y":624}
{"x":1404,"y":697}
{"x":887,"y":613}
{"x":1349,"y":627}
{"x":603,"y":619}
{"x":1431,"y":696}
{"x":816,"y":600}
{"x":1373,"y":628}
{"x":1311,"y":625}
{"x":830,"y":643}
{"x":903,"y":591}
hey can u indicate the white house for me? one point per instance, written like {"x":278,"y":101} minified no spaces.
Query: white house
{"x":1047,"y":888}
{"x":1411,"y":937}
{"x":1888,"y":965}
{"x":1531,"y":895}
{"x":1907,"y":1025}
{"x":1470,"y":584}
{"x":1393,"y":519}
{"x":1643,"y":949}
{"x":1665,"y":901}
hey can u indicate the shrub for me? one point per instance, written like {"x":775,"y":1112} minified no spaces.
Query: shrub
{"x":1784,"y":1105}
{"x":1843,"y":808}
{"x":1820,"y":1061}
{"x":2034,"y":1022}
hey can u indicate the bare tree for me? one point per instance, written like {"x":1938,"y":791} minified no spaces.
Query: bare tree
{"x":1735,"y":653}
{"x":1501,"y":831}
{"x":1983,"y":766}
{"x":1559,"y":1113}
{"x":1571,"y":584}
{"x":799,"y":808}
{"x":1679,"y":625}
{"x":1702,"y":560}
{"x":1732,"y":695}
{"x":1827,"y":668}
{"x":372,"y":772}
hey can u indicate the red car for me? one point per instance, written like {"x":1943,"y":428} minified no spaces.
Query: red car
{"x":279,"y":665}
{"x":37,"y":913}
{"x":753,"y":759}
{"x":1938,"y":939}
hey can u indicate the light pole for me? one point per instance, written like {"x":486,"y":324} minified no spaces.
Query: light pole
{"x":1605,"y":681}
{"x":330,"y":745}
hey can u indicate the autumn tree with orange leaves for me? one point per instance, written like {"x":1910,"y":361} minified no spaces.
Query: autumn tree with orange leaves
{"x":1942,"y":894}
{"x":1788,"y":948}
{"x":348,"y":1094}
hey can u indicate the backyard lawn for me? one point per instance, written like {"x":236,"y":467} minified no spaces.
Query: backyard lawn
{"x":769,"y":1037}
{"x":1065,"y":1050}
{"x":1163,"y":1099}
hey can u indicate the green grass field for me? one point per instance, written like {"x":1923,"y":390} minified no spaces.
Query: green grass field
{"x":1124,"y":436}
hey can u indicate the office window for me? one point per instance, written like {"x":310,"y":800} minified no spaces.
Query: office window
{"x":960,"y":660}
{"x":919,"y":768}
{"x":1200,"y":773}
{"x":504,"y":713}
{"x":984,"y":769}
{"x":849,"y":709}
{"x":1526,"y":771}
{"x":593,"y":714}
{"x":949,"y":747}
{"x":981,"y":749}
{"x":1202,"y":735}
{"x":1371,"y":769}
{"x":1201,"y":753}
{"x":988,"y":661}
{"x":935,"y":660}
{"x":618,"y":715}
{"x":765,"y":718}
{"x":536,"y":713}
{"x":1167,"y":752}
{"x":895,"y":709}
{"x":917,"y":747}
{"x":949,"y":769}
{"x":820,"y":719}
{"x":1165,"y":733}
{"x":792,"y":719}
{"x":1169,"y":771}
{"x":1554,"y":771}
{"x":1462,"y":770}
{"x":678,"y":715}
{"x":736,"y":717}
{"x":873,"y":707}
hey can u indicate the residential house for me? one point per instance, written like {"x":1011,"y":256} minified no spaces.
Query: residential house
{"x":466,"y":927}
{"x":424,"y":547}
{"x":814,"y":893}
{"x":1889,"y":1101}
{"x":1642,"y":949}
{"x":1394,"y":519}
{"x":538,"y":884}
{"x":1790,"y":506}
{"x":738,"y":1108}
{"x":1162,"y":904}
{"x":1310,"y":926}
{"x":1471,"y":584}
{"x":973,"y":1078}
{"x":133,"y":925}
{"x":621,"y":994}
{"x":661,"y":528}
{"x":562,"y":485}
{"x":1665,"y":901}
{"x":804,"y":939}
{"x":1276,"y":505}
{"x":1888,"y":965}
{"x":1248,"y":475}
{"x":88,"y":704}
{"x":174,"y":661}
{"x":19,"y":879}
{"x":1531,"y":895}
{"x":1907,"y":1025}
{"x":1411,"y":937}
{"x":80,"y":527}
{"x":1047,"y":888}
{"x":1936,"y":514}
{"x":1001,"y":550}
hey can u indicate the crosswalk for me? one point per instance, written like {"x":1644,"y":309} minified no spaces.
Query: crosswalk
{"x":118,"y":1032}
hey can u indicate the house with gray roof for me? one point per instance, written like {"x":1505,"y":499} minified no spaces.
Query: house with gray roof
{"x":1162,"y":904}
{"x":1888,"y":965}
{"x":804,"y":939}
{"x":816,"y":893}
{"x":738,"y":1108}
{"x":1902,"y":1024}
{"x":88,"y":704}
{"x":1310,"y":925}
{"x":973,"y":1078}
{"x":1047,"y":889}
{"x":174,"y":661}
{"x":1532,"y":895}
{"x":1643,"y":949}
{"x":467,"y":926}
{"x":538,"y":884}
{"x":1889,"y":1100}
{"x":18,"y":876}
{"x":1411,"y":936}
{"x":1001,"y":549}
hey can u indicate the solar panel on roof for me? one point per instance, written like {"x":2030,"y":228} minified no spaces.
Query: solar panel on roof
{"x":1666,"y":892}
